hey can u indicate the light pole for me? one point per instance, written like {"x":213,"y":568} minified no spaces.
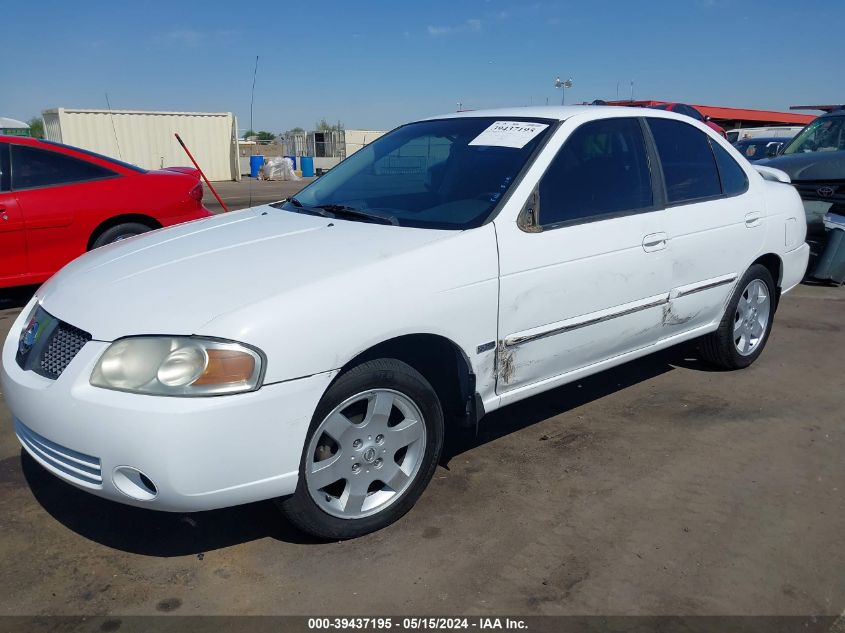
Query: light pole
{"x":563,"y":85}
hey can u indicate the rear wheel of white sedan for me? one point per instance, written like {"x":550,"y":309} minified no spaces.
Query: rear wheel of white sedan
{"x":372,"y":448}
{"x":747,"y":322}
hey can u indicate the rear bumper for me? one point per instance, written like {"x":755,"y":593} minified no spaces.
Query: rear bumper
{"x":200,"y":453}
{"x":794,"y":267}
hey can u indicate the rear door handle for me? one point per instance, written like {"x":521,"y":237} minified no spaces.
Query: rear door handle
{"x":654,"y":242}
{"x":753,"y":218}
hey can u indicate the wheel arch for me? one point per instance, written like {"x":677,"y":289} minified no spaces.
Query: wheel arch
{"x":123,"y":218}
{"x":774,"y":264}
{"x":442,"y":362}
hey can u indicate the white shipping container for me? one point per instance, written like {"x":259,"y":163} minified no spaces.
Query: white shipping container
{"x":147,"y":139}
{"x":356,"y":139}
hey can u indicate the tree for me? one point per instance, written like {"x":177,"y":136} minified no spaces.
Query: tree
{"x":296,"y":130}
{"x":325,"y":126}
{"x":36,"y":127}
{"x":260,"y":136}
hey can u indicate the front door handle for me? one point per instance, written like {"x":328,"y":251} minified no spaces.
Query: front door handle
{"x":753,"y":218}
{"x":655,"y":242}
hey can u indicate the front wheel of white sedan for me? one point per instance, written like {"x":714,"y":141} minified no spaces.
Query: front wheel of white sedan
{"x":372,"y":448}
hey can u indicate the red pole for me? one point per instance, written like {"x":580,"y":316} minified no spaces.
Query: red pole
{"x":213,"y":190}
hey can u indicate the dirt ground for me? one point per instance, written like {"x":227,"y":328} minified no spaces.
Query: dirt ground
{"x":660,"y":487}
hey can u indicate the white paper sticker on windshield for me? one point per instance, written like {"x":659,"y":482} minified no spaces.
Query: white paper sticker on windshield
{"x":509,"y":134}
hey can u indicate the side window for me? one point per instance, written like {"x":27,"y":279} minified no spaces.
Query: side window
{"x":602,"y":169}
{"x":734,"y":180}
{"x":34,"y":167}
{"x":689,"y":167}
{"x":5,"y":172}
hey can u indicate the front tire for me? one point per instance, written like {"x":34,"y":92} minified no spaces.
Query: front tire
{"x":374,"y":442}
{"x":746,"y":324}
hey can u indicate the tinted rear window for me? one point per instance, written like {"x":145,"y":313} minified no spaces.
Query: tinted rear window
{"x":100,"y":156}
{"x":734,"y":180}
{"x":34,"y":167}
{"x":689,"y":167}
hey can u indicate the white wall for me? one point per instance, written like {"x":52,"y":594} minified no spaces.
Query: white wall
{"x":147,"y":139}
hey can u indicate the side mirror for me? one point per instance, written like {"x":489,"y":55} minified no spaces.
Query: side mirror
{"x":529,"y":218}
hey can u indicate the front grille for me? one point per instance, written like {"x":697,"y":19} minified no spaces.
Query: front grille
{"x":63,"y":346}
{"x":48,"y":345}
{"x":64,"y":462}
{"x":823,"y":191}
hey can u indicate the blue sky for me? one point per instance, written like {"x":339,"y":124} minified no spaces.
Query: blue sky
{"x":377,"y":64}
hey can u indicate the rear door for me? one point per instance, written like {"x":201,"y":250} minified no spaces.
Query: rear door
{"x":12,"y":238}
{"x":590,"y":281}
{"x":715,"y":224}
{"x":53,"y":190}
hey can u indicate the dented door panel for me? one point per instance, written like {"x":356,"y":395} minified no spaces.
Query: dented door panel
{"x":577,"y":295}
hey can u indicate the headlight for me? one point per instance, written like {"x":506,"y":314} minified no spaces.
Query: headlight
{"x":178,"y":366}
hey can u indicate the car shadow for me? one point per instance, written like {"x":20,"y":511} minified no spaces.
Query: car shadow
{"x":557,"y":401}
{"x":151,"y":532}
{"x":16,"y":297}
{"x":164,"y":534}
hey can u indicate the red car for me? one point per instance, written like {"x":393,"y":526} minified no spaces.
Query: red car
{"x":57,"y":201}
{"x":683,"y":108}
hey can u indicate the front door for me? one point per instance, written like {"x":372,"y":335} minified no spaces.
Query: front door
{"x":590,"y":280}
{"x":12,"y":237}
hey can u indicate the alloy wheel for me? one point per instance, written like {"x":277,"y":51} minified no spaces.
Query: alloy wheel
{"x":365,"y":453}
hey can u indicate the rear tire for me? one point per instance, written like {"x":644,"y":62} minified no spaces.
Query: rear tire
{"x":374,"y":442}
{"x":120,"y":232}
{"x":746,"y":324}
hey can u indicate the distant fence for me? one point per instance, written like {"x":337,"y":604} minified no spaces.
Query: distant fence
{"x":316,"y":144}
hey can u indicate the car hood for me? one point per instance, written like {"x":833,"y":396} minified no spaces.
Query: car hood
{"x":172,"y":281}
{"x":809,"y":166}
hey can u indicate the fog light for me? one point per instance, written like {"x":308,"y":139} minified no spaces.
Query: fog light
{"x":134,"y":484}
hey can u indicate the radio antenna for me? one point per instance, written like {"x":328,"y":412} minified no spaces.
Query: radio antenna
{"x":113,"y":129}
{"x":251,"y":102}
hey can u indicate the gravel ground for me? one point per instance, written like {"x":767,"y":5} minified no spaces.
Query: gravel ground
{"x":659,"y":487}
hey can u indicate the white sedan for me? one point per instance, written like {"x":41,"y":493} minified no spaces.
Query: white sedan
{"x":314,"y":350}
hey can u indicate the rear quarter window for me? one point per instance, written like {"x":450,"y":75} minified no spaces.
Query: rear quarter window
{"x":733,"y":178}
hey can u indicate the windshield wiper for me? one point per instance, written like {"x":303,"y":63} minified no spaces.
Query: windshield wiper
{"x":335,"y":210}
{"x":352,"y":212}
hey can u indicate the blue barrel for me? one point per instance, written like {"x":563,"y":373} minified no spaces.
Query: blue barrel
{"x":293,"y":160}
{"x":255,"y":163}
{"x":306,"y":163}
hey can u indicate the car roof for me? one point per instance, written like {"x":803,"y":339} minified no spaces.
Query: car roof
{"x":560,"y":113}
{"x":77,"y":152}
{"x":839,"y":112}
{"x":21,"y":140}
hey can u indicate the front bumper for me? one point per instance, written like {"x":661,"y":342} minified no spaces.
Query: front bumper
{"x":200,"y":453}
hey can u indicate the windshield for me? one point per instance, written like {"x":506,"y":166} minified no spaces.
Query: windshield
{"x":825,"y":134}
{"x":443,"y":174}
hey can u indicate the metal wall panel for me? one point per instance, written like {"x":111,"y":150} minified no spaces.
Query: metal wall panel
{"x":146,"y":138}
